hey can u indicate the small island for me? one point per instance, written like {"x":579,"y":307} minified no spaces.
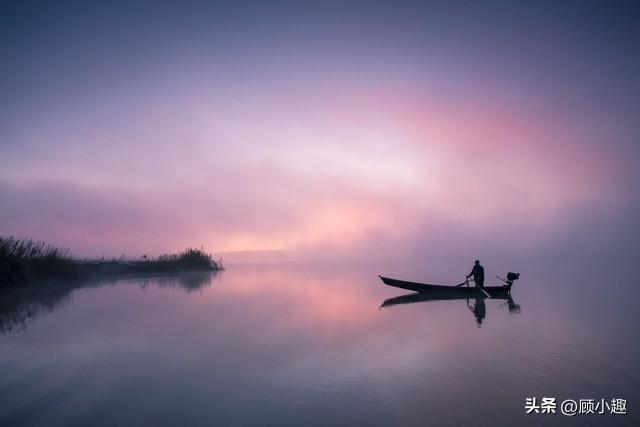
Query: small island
{"x":24,"y":261}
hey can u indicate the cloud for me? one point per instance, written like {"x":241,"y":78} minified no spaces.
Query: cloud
{"x":324,"y":153}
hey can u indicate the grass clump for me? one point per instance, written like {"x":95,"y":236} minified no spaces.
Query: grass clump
{"x":22,"y":260}
{"x":189,"y":259}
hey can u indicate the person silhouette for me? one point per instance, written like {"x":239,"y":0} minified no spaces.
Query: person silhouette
{"x":478,"y":274}
{"x":479,"y":310}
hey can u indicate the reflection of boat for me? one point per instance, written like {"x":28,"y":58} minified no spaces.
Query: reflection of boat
{"x":440,"y":292}
{"x":478,"y":308}
{"x":422,"y":297}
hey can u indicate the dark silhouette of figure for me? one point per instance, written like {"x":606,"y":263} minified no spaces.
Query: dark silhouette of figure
{"x":478,"y":274}
{"x":479,"y":310}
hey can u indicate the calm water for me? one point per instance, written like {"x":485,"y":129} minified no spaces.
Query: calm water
{"x":310,"y":346}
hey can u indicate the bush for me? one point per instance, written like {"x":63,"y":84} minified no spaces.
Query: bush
{"x":189,"y":259}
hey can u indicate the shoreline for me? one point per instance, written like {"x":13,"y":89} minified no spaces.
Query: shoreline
{"x":24,"y":262}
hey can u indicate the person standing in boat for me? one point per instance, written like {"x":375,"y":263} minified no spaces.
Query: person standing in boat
{"x":478,"y":274}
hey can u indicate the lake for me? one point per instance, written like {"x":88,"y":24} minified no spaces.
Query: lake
{"x":310,"y":345}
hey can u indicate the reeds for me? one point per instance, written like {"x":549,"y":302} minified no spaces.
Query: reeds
{"x":27,"y":249}
{"x":25,"y":260}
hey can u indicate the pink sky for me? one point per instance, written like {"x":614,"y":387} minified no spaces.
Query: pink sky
{"x":338,"y":172}
{"x":350,"y":147}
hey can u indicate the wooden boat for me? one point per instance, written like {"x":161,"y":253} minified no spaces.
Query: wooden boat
{"x":454,"y":292}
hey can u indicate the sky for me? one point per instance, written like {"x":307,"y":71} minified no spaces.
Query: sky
{"x":329,"y":129}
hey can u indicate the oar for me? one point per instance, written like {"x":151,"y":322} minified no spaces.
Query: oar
{"x":466,"y":282}
{"x":482,"y":289}
{"x":479,"y":287}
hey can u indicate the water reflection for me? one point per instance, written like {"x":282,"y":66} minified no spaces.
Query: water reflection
{"x":476,"y":305}
{"x":478,"y":309}
{"x":22,"y":305}
{"x":308,"y":345}
{"x":188,"y":282}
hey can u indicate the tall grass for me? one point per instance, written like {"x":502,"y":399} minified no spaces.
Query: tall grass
{"x":25,"y":260}
{"x":27,"y":249}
